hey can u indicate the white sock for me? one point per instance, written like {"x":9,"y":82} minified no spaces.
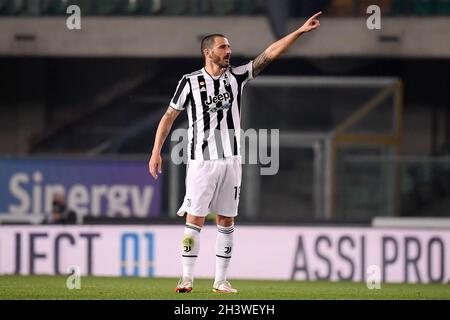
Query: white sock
{"x":224,"y":248}
{"x":190,"y":248}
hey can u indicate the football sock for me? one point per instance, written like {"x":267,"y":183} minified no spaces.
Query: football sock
{"x":224,"y":246}
{"x":190,"y":249}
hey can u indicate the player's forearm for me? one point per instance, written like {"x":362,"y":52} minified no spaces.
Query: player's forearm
{"x":280,"y":46}
{"x":274,"y":51}
{"x":164,"y":129}
{"x":161,"y":134}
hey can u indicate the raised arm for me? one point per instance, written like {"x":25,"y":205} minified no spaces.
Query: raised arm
{"x":162,"y":132}
{"x":280,"y":46}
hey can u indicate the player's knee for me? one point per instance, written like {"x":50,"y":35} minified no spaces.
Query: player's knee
{"x":198,"y":221}
{"x":225,"y":221}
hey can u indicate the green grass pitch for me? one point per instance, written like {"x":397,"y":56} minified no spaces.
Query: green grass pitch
{"x":94,"y":288}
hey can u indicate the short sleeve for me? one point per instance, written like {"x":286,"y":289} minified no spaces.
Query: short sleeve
{"x":179,"y":98}
{"x":245,"y":70}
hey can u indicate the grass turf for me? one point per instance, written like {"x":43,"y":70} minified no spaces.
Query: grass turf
{"x":94,"y":288}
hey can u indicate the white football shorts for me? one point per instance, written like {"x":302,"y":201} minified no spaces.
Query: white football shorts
{"x":212,"y":186}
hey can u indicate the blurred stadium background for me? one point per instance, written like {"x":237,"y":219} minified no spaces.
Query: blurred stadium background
{"x":364,"y":148}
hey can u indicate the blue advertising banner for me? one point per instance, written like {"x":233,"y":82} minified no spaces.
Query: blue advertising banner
{"x":115,"y":188}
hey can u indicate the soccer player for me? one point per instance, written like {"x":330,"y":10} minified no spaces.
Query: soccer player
{"x":211,"y":96}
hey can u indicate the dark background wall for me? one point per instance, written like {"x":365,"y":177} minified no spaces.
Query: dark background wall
{"x":41,"y":93}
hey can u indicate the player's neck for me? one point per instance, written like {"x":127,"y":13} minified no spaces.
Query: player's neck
{"x":213,"y":69}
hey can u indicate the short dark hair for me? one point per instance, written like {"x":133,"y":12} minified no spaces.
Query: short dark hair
{"x":208,"y":40}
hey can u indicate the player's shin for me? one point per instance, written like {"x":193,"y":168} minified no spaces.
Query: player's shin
{"x":190,"y":249}
{"x":224,"y":248}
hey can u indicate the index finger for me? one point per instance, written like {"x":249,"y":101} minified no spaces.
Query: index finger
{"x":316,"y":15}
{"x":152,"y":170}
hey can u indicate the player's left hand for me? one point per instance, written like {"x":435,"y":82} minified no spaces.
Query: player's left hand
{"x":312,"y":23}
{"x":155,"y":164}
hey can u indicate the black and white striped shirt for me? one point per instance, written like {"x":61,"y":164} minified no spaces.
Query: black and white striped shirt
{"x":213,"y":105}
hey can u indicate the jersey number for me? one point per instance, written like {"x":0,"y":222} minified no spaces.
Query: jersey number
{"x":237,"y":192}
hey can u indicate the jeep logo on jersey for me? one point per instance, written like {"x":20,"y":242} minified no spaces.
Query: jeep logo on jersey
{"x":221,"y":97}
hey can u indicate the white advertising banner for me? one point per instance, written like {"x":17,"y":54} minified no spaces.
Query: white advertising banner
{"x":300,"y":253}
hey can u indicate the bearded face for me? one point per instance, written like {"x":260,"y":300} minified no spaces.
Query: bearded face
{"x":220,"y":53}
{"x":222,"y":61}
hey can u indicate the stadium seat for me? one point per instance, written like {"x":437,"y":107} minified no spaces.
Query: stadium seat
{"x":54,"y":7}
{"x":260,"y":6}
{"x":12,"y":7}
{"x":3,"y":7}
{"x":342,"y":7}
{"x":175,"y":7}
{"x":245,"y":7}
{"x":107,"y":7}
{"x":222,"y":7}
{"x":423,"y":7}
{"x":443,"y":7}
{"x":187,"y":7}
{"x":147,"y":7}
{"x":198,"y":7}
{"x":117,"y":7}
{"x":401,"y":7}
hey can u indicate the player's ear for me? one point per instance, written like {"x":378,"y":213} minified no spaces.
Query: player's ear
{"x":206,"y":52}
